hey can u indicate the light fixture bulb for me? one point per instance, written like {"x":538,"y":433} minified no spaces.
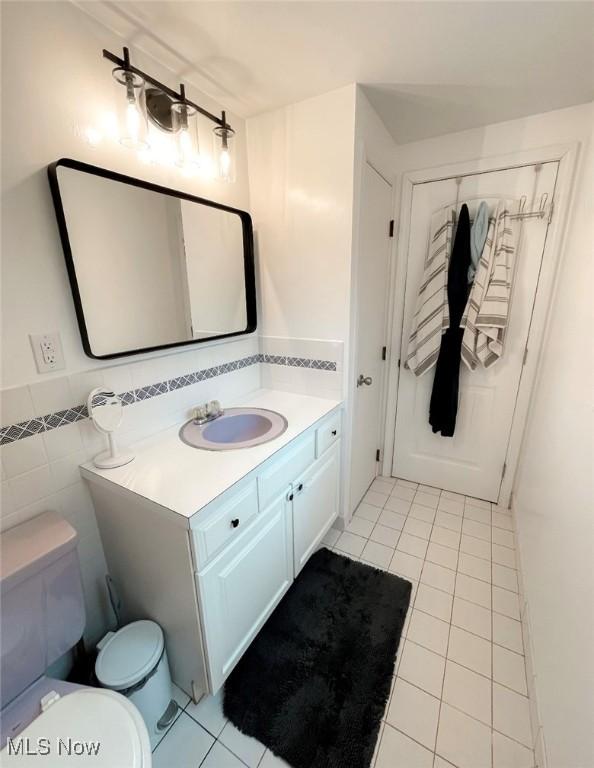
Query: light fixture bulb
{"x":185,"y":125}
{"x":132,"y":118}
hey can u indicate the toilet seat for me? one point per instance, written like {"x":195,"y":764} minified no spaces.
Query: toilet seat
{"x":87,"y":715}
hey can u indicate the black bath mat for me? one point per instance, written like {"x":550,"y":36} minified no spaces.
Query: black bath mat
{"x":314,"y":683}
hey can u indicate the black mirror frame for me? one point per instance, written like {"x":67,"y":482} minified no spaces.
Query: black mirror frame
{"x":248,"y":254}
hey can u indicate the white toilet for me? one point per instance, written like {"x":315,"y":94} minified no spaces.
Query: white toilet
{"x":42,"y":617}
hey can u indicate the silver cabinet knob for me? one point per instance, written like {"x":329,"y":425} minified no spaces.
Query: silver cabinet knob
{"x":367,"y":380}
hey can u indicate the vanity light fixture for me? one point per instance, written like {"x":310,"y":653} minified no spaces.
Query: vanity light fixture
{"x":170,"y":112}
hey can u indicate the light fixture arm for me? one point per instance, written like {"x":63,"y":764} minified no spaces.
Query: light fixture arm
{"x":181,"y":96}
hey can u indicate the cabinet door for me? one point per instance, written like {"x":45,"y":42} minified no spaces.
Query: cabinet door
{"x":241,"y":587}
{"x":315,"y":505}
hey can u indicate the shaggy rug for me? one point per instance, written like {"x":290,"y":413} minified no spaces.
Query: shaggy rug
{"x":314,"y":683}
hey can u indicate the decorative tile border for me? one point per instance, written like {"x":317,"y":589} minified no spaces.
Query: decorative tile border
{"x":13,"y":432}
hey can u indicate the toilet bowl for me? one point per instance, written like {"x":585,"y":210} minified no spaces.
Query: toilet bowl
{"x":42,"y":617}
{"x":89,"y":726}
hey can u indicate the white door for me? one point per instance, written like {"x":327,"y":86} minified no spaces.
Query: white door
{"x":471,"y":462}
{"x":315,"y":505}
{"x":373,"y":270}
{"x":242,"y":586}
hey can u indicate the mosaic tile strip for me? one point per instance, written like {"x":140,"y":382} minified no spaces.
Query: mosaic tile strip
{"x":13,"y":432}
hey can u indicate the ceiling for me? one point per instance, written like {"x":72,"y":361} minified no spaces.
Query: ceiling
{"x":428,"y":68}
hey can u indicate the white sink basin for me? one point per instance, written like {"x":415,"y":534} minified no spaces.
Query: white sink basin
{"x":236,"y":428}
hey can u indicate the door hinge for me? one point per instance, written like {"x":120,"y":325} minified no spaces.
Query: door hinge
{"x":377,"y":455}
{"x":551,"y":209}
{"x":503,"y":471}
{"x":384,"y":350}
{"x":399,"y":362}
{"x":391,"y":230}
{"x":525,"y":356}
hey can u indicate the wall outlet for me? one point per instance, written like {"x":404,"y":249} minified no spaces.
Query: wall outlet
{"x":47,"y":350}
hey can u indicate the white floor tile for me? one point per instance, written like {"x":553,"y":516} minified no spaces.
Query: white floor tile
{"x":505,"y":577}
{"x":509,"y":669}
{"x":453,"y":495}
{"x":396,"y":749}
{"x":445,"y":537}
{"x":375,"y":498}
{"x":360,"y":527}
{"x":272,"y":761}
{"x":422,"y":668}
{"x":406,"y":565}
{"x":504,"y":556}
{"x":429,"y":632}
{"x":504,"y":538}
{"x":220,"y":757}
{"x":394,"y":504}
{"x":439,"y":577}
{"x":510,"y":754}
{"x":439,"y":762}
{"x":478,"y":530}
{"x":452,"y":506}
{"x":472,"y":617}
{"x":401,"y":492}
{"x":419,"y":512}
{"x":470,"y":651}
{"x":351,"y":544}
{"x":434,"y":601}
{"x":511,"y":715}
{"x":426,"y":499}
{"x":180,"y":696}
{"x":248,"y":750}
{"x":506,"y":602}
{"x":472,"y":502}
{"x":478,"y":514}
{"x":377,"y":554}
{"x":391,"y":520}
{"x":414,"y":712}
{"x":387,"y":479}
{"x":430,"y":489}
{"x":368,"y":512}
{"x":473,"y":590}
{"x":209,"y":713}
{"x":445,"y":556}
{"x":185,"y":745}
{"x":462,"y":740}
{"x":412,"y":545}
{"x":407,"y":483}
{"x":474,"y":566}
{"x":417,"y":528}
{"x":476,"y":547}
{"x":508,"y":633}
{"x":468,"y":691}
{"x":502,"y":521}
{"x":381,"y":485}
{"x":384,"y":535}
{"x":449,"y":521}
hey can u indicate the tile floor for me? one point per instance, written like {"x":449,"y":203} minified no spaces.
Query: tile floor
{"x":459,"y":695}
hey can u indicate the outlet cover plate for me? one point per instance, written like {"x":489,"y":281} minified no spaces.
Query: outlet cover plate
{"x":48,"y":353}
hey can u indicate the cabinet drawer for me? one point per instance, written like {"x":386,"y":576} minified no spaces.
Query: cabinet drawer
{"x":284,"y":469}
{"x":224,"y":523}
{"x":328,"y":433}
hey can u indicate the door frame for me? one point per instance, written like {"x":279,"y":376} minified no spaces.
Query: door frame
{"x":363,"y":155}
{"x":552,"y":258}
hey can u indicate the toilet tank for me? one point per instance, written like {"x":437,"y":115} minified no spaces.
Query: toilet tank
{"x":42,"y":613}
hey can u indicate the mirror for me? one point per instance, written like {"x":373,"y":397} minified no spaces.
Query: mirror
{"x":150,"y":267}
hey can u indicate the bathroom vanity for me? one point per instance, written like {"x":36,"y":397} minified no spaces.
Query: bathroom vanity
{"x":206,"y":543}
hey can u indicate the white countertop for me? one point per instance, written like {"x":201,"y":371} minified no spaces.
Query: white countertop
{"x":184,"y":479}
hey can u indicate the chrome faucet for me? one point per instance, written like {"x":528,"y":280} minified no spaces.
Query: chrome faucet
{"x":202,"y":414}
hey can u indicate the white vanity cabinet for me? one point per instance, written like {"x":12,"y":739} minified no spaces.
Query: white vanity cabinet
{"x":212,"y":577}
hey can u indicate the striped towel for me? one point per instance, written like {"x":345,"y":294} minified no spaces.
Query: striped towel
{"x":487,"y":310}
{"x":432,"y":316}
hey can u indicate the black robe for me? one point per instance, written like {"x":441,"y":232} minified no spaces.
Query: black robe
{"x":444,"y":395}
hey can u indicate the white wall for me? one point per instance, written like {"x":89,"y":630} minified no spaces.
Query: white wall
{"x":55,"y":84}
{"x":554,"y":505}
{"x":554,"y":498}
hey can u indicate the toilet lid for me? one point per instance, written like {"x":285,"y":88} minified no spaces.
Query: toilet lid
{"x":86,"y":717}
{"x":128,"y":656}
